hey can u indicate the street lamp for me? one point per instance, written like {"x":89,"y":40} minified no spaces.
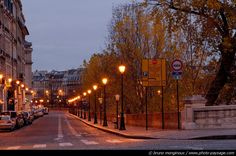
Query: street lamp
{"x":104,"y":81}
{"x":60,"y":92}
{"x":9,"y":80}
{"x":85,"y":106}
{"x":89,"y":117}
{"x":17,"y":82}
{"x":100,"y":101}
{"x":22,"y":85}
{"x":95,"y":103}
{"x":122,"y":120}
{"x":47,"y":92}
{"x":117,"y":97}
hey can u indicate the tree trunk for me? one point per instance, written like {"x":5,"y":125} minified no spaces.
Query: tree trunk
{"x":223,"y":75}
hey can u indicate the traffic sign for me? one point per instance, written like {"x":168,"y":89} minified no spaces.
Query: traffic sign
{"x":154,"y":72}
{"x":176,"y":75}
{"x":177,"y":65}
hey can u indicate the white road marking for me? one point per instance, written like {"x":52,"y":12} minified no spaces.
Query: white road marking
{"x":65,"y":144}
{"x":72,"y":130}
{"x":114,"y":141}
{"x":40,"y":146}
{"x":14,"y":148}
{"x":60,"y":135}
{"x":89,"y":142}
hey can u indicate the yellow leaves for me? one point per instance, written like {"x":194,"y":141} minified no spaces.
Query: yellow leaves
{"x":227,"y":44}
{"x":119,"y":25}
{"x":214,"y":4}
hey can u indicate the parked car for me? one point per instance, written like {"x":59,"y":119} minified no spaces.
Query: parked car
{"x":45,"y":110}
{"x":12,"y":114}
{"x":38,"y":113}
{"x":6,"y":122}
{"x":20,"y":120}
{"x":28,"y":117}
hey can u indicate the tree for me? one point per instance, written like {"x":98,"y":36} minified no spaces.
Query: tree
{"x":216,"y":26}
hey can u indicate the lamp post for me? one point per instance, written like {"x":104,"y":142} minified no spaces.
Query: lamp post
{"x":95,"y":103}
{"x":89,"y":92}
{"x":60,"y":95}
{"x":117,"y":97}
{"x":85,"y":106}
{"x":122,"y":120}
{"x":100,"y":101}
{"x":104,"y":81}
{"x":81,"y":112}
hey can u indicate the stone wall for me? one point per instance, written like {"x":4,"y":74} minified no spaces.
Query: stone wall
{"x":198,"y":116}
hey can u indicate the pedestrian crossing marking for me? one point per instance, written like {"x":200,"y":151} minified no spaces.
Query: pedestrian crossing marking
{"x":89,"y":142}
{"x":40,"y":146}
{"x":65,"y":144}
{"x":14,"y":148}
{"x":114,"y":141}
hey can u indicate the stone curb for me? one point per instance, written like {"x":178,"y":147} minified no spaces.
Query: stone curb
{"x":112,"y":131}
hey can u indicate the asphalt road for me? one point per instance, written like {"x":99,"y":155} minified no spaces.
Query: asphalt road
{"x":60,"y":130}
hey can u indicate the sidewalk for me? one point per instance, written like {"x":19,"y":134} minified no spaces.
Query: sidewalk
{"x":152,"y":133}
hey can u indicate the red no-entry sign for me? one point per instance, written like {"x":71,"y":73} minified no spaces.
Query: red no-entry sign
{"x":177,"y":65}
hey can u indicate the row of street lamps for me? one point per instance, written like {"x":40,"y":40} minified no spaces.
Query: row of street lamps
{"x":122,"y":69}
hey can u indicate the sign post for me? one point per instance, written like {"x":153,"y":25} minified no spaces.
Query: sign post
{"x":154,"y":75}
{"x":177,"y":66}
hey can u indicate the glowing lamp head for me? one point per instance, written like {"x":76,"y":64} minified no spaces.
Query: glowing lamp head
{"x":104,"y":81}
{"x":22,"y":85}
{"x":1,"y":76}
{"x":95,"y":87}
{"x":17,"y":82}
{"x":122,"y":69}
{"x":117,"y":97}
{"x":10,"y":80}
{"x":89,"y":91}
{"x":84,"y":93}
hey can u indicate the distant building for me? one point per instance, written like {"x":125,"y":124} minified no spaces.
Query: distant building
{"x":55,"y":86}
{"x":15,"y":56}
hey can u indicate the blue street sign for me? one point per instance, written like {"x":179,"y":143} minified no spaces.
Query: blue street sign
{"x":177,"y":74}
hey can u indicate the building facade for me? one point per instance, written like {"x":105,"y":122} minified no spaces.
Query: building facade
{"x":56,"y":86}
{"x":15,"y":57}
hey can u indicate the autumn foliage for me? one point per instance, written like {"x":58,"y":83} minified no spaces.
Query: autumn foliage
{"x":193,"y":31}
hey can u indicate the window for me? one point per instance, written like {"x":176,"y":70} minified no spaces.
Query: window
{"x":9,"y":5}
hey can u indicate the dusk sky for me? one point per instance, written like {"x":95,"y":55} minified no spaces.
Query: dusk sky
{"x":65,"y":32}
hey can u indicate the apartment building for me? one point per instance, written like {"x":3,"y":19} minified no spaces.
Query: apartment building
{"x":15,"y":57}
{"x":56,"y":86}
